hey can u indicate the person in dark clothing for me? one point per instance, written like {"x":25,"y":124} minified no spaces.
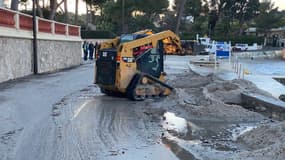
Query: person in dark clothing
{"x":96,"y":49}
{"x":91,"y":50}
{"x":85,"y":50}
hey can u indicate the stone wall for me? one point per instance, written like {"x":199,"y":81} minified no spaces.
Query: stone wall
{"x":15,"y":58}
{"x":56,"y":55}
{"x":59,"y":45}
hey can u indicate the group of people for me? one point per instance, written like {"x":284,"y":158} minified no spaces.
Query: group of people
{"x":89,"y":48}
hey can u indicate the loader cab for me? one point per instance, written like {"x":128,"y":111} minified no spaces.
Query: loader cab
{"x":151,"y":61}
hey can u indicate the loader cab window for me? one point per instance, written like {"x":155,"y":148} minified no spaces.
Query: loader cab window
{"x":130,"y":37}
{"x":152,"y":61}
{"x":126,"y":38}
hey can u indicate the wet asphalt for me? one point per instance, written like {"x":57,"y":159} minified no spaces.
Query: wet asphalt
{"x":83,"y":124}
{"x":63,"y":116}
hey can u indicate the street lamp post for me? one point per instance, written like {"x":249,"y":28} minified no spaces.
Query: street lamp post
{"x":35,"y":44}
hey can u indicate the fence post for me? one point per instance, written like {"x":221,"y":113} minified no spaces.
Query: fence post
{"x":17,"y":21}
{"x":79,"y":31}
{"x":215,"y":55}
{"x":66,"y":30}
{"x":243,"y":73}
{"x":230,"y":53}
{"x":239,"y":74}
{"x":237,"y":67}
{"x":53,"y":27}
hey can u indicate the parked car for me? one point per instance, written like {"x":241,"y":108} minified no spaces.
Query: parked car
{"x":240,"y":47}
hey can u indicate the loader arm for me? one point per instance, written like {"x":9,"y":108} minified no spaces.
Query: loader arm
{"x":146,"y":31}
{"x":153,"y":39}
{"x":113,"y":43}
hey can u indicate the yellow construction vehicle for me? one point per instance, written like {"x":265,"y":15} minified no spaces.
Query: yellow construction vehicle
{"x":132,"y":65}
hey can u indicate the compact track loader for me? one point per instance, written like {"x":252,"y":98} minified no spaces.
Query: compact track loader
{"x":133,"y":65}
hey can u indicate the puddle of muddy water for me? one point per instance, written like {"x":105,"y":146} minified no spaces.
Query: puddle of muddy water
{"x":206,"y":136}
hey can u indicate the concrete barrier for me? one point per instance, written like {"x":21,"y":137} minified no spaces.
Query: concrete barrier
{"x":270,"y":107}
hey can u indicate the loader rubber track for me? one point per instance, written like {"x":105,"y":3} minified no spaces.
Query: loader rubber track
{"x":153,"y":83}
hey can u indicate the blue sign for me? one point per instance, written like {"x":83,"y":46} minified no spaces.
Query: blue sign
{"x":221,"y":53}
{"x":222,"y":50}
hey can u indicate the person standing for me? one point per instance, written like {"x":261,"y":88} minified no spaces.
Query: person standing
{"x":96,"y":49}
{"x":91,"y":50}
{"x":85,"y":50}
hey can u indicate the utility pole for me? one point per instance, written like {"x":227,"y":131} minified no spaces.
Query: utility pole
{"x":35,"y":44}
{"x":123,"y":16}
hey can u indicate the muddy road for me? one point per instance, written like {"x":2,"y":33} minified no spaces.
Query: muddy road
{"x":203,"y":119}
{"x":97,"y":127}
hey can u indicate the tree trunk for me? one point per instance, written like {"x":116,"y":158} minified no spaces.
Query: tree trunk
{"x":76,"y":12}
{"x":14,"y":5}
{"x":179,"y":15}
{"x":86,"y":23}
{"x":39,"y":9}
{"x":53,"y":4}
{"x":66,"y":12}
{"x":241,"y":22}
{"x":53,"y":7}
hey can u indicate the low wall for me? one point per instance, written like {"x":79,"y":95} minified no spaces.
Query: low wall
{"x":259,"y":54}
{"x":15,"y":58}
{"x":56,"y":55}
{"x":268,"y":106}
{"x":59,"y":45}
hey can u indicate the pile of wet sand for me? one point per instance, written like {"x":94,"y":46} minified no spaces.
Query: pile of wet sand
{"x":210,"y":98}
{"x":213,"y":98}
{"x":265,"y":142}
